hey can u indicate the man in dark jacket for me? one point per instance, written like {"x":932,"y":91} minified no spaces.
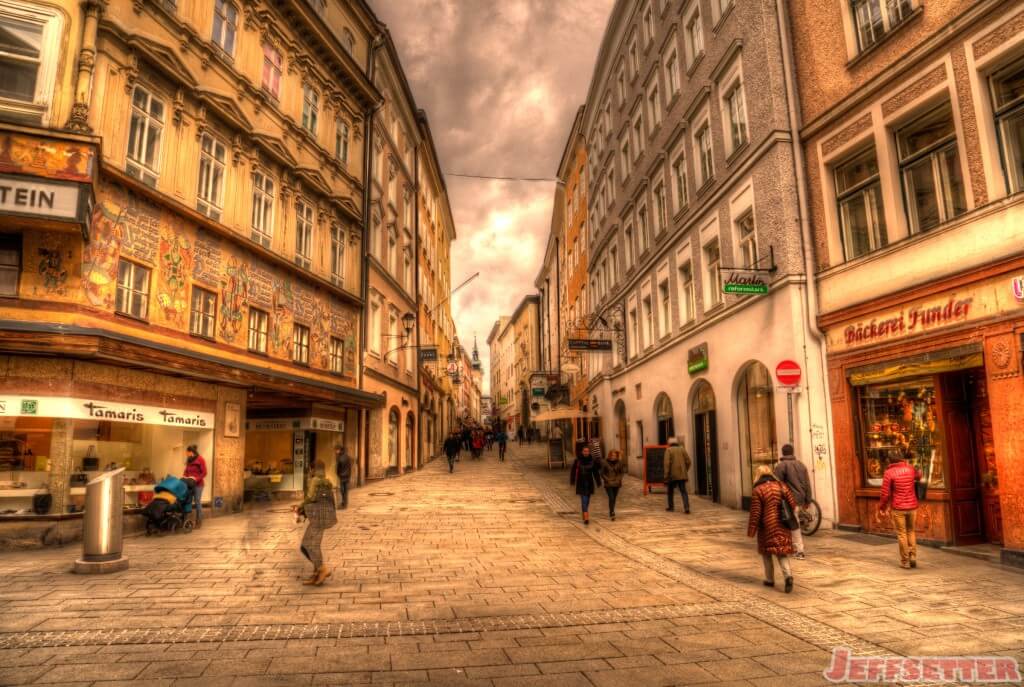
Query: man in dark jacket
{"x":794,"y":475}
{"x":343,"y":464}
{"x":451,"y":449}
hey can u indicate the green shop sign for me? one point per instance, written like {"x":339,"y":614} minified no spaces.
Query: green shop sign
{"x":744,"y":284}
{"x":697,"y":359}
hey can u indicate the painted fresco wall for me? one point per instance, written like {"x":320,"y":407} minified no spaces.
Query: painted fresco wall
{"x":58,"y":267}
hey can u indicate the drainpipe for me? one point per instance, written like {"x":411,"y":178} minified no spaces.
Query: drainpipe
{"x":78,"y":120}
{"x":378,"y":40}
{"x":810,"y":286}
{"x":416,"y":300}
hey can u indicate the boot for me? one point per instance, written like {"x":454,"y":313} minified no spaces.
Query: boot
{"x":312,"y":579}
{"x":586,"y":518}
{"x":322,"y":574}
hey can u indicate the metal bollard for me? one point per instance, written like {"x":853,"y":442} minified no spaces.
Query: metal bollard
{"x":103,"y":525}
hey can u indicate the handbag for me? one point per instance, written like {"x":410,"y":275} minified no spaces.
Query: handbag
{"x":787,"y":516}
{"x":920,"y":489}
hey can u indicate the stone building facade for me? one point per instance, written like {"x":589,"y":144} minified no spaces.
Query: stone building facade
{"x":695,"y":245}
{"x":915,"y":171}
{"x":188,"y":268}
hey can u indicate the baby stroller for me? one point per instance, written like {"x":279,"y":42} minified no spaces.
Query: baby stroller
{"x":171,"y":505}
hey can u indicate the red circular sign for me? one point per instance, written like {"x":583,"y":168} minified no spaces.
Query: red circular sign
{"x":788,"y":373}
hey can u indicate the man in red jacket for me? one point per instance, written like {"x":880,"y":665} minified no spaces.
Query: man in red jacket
{"x":899,"y":498}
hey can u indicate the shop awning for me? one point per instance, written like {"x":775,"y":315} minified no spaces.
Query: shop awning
{"x":933,"y":362}
{"x":561,"y":414}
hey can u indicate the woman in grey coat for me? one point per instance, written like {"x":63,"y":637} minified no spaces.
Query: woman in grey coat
{"x":319,"y":509}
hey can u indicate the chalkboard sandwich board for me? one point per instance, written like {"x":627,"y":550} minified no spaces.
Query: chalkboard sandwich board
{"x":654,"y":466}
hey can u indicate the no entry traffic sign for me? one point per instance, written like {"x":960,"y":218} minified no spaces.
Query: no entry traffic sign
{"x":788,"y":373}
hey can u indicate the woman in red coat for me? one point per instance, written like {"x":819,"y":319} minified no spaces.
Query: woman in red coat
{"x":773,"y":537}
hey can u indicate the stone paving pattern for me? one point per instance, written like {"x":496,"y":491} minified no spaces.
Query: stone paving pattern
{"x":487,"y":577}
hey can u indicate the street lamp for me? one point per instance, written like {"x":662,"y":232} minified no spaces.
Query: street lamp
{"x":408,"y":321}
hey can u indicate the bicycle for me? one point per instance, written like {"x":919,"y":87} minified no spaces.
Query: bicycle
{"x":810,"y":518}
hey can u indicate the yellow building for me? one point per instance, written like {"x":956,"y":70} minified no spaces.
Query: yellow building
{"x":180,"y":211}
{"x":436,"y":231}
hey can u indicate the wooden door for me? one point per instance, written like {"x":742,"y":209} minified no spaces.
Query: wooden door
{"x":984,"y":449}
{"x":962,"y":474}
{"x":704,"y":444}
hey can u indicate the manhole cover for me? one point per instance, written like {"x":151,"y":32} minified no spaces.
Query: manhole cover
{"x":382,"y":493}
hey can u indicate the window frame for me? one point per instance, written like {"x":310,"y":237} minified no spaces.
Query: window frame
{"x":36,"y":111}
{"x":146,"y":172}
{"x":337,"y":265}
{"x":342,"y":136}
{"x":878,"y":234}
{"x":310,"y":121}
{"x":687,"y":291}
{"x":1002,"y":115}
{"x":212,"y":207}
{"x":263,"y":196}
{"x":933,"y":152}
{"x":220,"y":38}
{"x":300,"y":343}
{"x":261,"y":331}
{"x":713,"y":273}
{"x":336,"y":356}
{"x":746,"y":242}
{"x":305,"y":224}
{"x":133,"y":293}
{"x":12,"y":243}
{"x":201,"y":315}
{"x":272,"y":69}
{"x":884,"y":19}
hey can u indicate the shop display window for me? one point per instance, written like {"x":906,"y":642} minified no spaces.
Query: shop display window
{"x":25,"y":465}
{"x":897,"y":417}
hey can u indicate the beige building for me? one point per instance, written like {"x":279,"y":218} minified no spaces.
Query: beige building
{"x":390,"y":361}
{"x":515,"y":344}
{"x":436,"y":231}
{"x":912,"y":114}
{"x":181,"y":255}
{"x":503,"y":387}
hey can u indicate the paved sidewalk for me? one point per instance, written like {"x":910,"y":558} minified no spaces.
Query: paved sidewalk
{"x":487,"y":577}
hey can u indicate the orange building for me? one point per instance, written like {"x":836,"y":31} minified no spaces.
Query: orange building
{"x":912,"y":113}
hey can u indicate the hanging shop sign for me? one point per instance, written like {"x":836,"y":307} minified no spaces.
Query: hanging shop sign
{"x":274,"y":424}
{"x":428,"y":355}
{"x":590,"y":344}
{"x":1017,"y":285}
{"x":92,"y":409}
{"x":31,"y":197}
{"x":697,"y":359}
{"x":988,"y":298}
{"x":744,"y":283}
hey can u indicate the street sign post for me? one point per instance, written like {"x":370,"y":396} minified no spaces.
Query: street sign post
{"x":788,"y":373}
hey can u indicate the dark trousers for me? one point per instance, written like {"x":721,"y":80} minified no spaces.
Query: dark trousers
{"x":681,"y":484}
{"x":343,"y":495}
{"x":613,"y":493}
{"x":451,"y":463}
{"x":585,"y":502}
{"x":501,"y":451}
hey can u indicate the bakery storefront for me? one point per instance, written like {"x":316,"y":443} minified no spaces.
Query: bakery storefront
{"x":934,"y":375}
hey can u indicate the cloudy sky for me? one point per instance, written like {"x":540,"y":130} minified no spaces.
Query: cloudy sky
{"x":501,"y":81}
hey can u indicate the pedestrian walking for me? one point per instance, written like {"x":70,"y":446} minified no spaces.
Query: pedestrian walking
{"x":519,"y":435}
{"x":478,"y":444}
{"x":343,"y":465}
{"x":596,"y":448}
{"x":677,"y":472}
{"x":195,"y":467}
{"x":502,"y":445}
{"x":586,"y":477}
{"x":451,"y":449}
{"x":467,"y":439}
{"x":612,"y":472}
{"x":774,"y":537}
{"x":320,"y":512}
{"x":794,"y":475}
{"x":899,"y":501}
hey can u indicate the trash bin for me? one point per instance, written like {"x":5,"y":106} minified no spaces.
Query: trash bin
{"x":103,"y":525}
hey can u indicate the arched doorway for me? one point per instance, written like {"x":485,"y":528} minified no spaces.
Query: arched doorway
{"x":409,"y":434}
{"x":622,"y":429}
{"x":756,"y":412}
{"x":705,"y":441}
{"x":666,"y":421}
{"x":393,"y":439}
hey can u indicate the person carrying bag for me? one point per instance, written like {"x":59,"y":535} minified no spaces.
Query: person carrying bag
{"x":319,"y":510}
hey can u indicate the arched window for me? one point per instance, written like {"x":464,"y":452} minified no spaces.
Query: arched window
{"x":756,"y":407}
{"x":393,"y":438}
{"x":666,"y":421}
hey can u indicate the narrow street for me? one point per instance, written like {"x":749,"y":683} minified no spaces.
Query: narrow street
{"x":487,"y":577}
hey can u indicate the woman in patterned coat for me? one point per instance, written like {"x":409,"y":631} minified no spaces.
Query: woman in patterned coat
{"x":318,"y":507}
{"x":773,"y":537}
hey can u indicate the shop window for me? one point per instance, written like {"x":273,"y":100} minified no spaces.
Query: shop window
{"x":1008,"y":96}
{"x":225,"y":25}
{"x":747,"y":238}
{"x":210,"y":193}
{"x":203,"y":315}
{"x":897,"y":418}
{"x":859,"y":200}
{"x":262,"y":209}
{"x":271,"y":70}
{"x":258,"y":321}
{"x":755,"y":398}
{"x":25,"y":459}
{"x":29,"y":50}
{"x":300,"y":344}
{"x":713,"y":270}
{"x":310,"y":108}
{"x":875,"y":18}
{"x":337,"y":355}
{"x":303,"y":234}
{"x":132,"y":289}
{"x":10,"y":264}
{"x":930,"y":166}
{"x":144,"y":132}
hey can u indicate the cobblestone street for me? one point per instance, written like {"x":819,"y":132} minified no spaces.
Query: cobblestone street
{"x":487,"y":577}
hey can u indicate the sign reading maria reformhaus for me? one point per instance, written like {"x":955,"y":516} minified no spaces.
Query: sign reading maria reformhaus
{"x":748,"y":283}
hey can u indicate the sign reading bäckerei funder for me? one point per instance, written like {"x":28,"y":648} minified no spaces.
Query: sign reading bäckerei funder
{"x":92,"y":409}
